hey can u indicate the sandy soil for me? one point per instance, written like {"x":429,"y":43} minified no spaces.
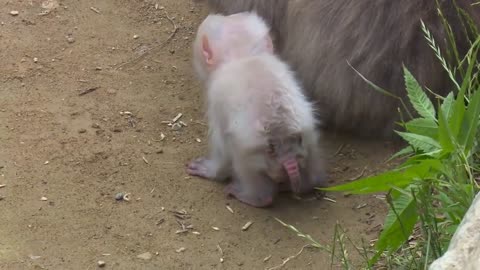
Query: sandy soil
{"x":79,"y":151}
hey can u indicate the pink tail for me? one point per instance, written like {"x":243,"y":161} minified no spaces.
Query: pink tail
{"x":291,"y":166}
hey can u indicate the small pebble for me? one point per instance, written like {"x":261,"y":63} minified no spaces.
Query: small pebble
{"x":135,"y":36}
{"x":247,"y":225}
{"x":43,"y":199}
{"x":145,"y":256}
{"x":35,"y":59}
{"x":182,"y":249}
{"x":95,"y":125}
{"x":14,"y":12}
{"x":82,"y":130}
{"x":70,"y":39}
{"x":101,"y":264}
{"x":119,"y":196}
{"x":111,"y":91}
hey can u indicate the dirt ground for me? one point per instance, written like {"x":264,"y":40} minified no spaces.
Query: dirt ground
{"x":64,"y":156}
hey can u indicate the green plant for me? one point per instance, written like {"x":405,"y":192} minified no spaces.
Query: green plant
{"x":436,"y":183}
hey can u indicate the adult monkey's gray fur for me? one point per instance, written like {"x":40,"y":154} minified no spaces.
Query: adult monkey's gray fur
{"x":318,"y":37}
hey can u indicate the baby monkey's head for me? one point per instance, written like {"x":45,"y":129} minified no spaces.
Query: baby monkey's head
{"x":221,"y":39}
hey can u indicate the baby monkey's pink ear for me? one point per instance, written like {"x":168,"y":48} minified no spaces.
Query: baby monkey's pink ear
{"x":207,"y":51}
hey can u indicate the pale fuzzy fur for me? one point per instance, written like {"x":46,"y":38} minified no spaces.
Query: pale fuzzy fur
{"x":253,"y":96}
{"x":230,"y":37}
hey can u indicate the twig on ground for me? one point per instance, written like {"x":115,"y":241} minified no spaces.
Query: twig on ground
{"x":288,"y":259}
{"x":148,"y":51}
{"x":89,"y":90}
{"x":358,"y":176}
{"x":95,"y":10}
{"x":339,"y":150}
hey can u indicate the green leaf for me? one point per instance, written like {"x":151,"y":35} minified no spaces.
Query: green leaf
{"x":459,"y":104}
{"x":457,"y":116}
{"x":423,"y":126}
{"x":470,"y":123}
{"x":405,"y":151}
{"x":387,"y":180}
{"x":472,"y":59}
{"x":424,"y":143}
{"x":444,"y":133}
{"x":447,"y":106}
{"x":399,"y":224}
{"x":420,"y":101}
{"x":373,"y":184}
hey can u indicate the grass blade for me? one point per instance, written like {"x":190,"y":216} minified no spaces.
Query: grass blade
{"x":470,"y":123}
{"x":399,"y":224}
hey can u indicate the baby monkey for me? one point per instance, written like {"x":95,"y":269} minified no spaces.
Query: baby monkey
{"x":262,"y":129}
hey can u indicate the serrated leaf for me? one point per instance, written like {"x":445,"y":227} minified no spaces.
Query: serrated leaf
{"x":378,"y":183}
{"x":423,"y":143}
{"x":420,"y":101}
{"x":447,"y":106}
{"x":405,"y":151}
{"x":387,"y":180}
{"x":423,"y":126}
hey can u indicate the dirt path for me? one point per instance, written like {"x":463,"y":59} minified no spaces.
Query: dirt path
{"x":78,"y":151}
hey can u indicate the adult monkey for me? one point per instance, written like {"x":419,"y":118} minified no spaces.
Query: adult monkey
{"x":320,"y":37}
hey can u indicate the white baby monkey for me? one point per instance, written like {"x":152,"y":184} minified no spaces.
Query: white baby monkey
{"x":262,"y":129}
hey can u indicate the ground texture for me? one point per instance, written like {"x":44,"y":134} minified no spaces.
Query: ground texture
{"x":87,"y":89}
